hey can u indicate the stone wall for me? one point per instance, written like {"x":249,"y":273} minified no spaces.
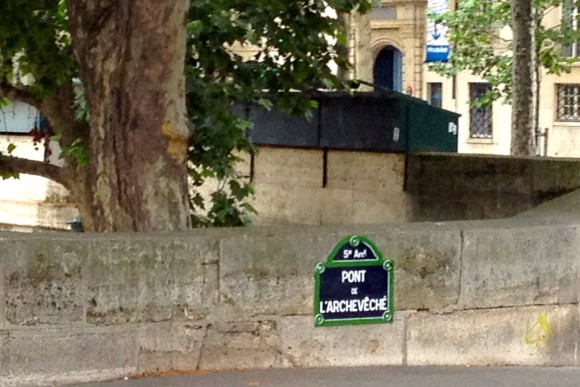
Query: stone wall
{"x":318,"y":187}
{"x":88,"y":307}
{"x":464,"y":187}
{"x":298,"y":186}
{"x":314,"y":187}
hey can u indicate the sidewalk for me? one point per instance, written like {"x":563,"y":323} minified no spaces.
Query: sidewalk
{"x":366,"y":377}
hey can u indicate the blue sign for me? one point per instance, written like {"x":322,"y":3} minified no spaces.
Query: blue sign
{"x":354,"y":285}
{"x":437,"y":43}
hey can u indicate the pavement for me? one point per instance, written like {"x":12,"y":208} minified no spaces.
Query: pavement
{"x":365,"y":377}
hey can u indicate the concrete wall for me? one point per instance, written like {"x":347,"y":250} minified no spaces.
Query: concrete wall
{"x":89,"y":307}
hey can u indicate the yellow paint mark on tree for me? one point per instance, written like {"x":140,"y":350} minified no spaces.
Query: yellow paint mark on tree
{"x":539,"y":331}
{"x":177,"y":144}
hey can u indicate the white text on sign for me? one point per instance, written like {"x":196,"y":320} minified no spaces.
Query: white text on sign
{"x":349,"y":306}
{"x":346,"y":254}
{"x":352,"y":276}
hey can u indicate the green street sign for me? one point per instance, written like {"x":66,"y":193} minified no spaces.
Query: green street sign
{"x":354,"y":286}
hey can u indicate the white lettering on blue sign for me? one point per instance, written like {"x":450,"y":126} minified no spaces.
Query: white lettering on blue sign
{"x":346,"y":254}
{"x":360,"y":254}
{"x":351,"y":276}
{"x":345,"y":306}
{"x":437,"y":40}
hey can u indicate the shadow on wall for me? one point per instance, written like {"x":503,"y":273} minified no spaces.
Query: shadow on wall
{"x":463,"y":187}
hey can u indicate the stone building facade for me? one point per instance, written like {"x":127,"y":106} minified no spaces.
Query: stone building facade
{"x":387,"y":48}
{"x":387,"y":45}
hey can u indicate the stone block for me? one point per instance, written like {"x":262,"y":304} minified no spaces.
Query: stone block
{"x":43,"y":281}
{"x":520,"y":265}
{"x":345,"y":346}
{"x":336,"y":206}
{"x":555,"y":176}
{"x":61,"y":355}
{"x":458,"y":174}
{"x":242,"y":345}
{"x":432,"y":174}
{"x":272,"y":274}
{"x":145,"y":280}
{"x":169,"y":346}
{"x":512,"y":176}
{"x":284,"y":167}
{"x":2,"y":289}
{"x":366,"y":171}
{"x":287,"y":205}
{"x":506,"y":336}
{"x":379,"y":207}
{"x":427,"y":264}
{"x":474,"y":206}
{"x":275,"y":275}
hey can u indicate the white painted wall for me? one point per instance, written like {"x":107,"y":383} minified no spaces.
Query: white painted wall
{"x":32,"y":201}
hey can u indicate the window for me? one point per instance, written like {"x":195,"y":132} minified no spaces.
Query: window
{"x":568,"y":103}
{"x":435,"y":94}
{"x":570,"y":20}
{"x":480,"y":118}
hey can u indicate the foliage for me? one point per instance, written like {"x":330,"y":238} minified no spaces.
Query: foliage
{"x":474,"y":34}
{"x":292,"y":54}
{"x":35,"y":47}
{"x":295,"y":43}
{"x":77,"y":151}
{"x":4,"y":175}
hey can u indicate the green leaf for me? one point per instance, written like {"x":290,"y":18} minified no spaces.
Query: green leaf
{"x":77,"y":151}
{"x":9,"y":175}
{"x":265,"y":103}
{"x":473,"y":33}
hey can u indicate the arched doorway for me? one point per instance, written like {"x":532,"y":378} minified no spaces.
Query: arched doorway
{"x":388,"y":69}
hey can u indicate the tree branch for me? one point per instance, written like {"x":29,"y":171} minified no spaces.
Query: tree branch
{"x":18,"y":94}
{"x":33,"y":167}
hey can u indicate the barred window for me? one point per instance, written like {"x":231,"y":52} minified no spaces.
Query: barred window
{"x":480,"y":118}
{"x":568,"y":102}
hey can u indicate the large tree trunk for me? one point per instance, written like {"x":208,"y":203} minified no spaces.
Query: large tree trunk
{"x":522,"y":143}
{"x":131,"y":58}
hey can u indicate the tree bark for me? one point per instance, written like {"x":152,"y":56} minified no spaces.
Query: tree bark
{"x":131,"y":57}
{"x":522,"y":140}
{"x":18,"y":94}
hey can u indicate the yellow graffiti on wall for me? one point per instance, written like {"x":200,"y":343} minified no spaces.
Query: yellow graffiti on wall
{"x":539,"y":331}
